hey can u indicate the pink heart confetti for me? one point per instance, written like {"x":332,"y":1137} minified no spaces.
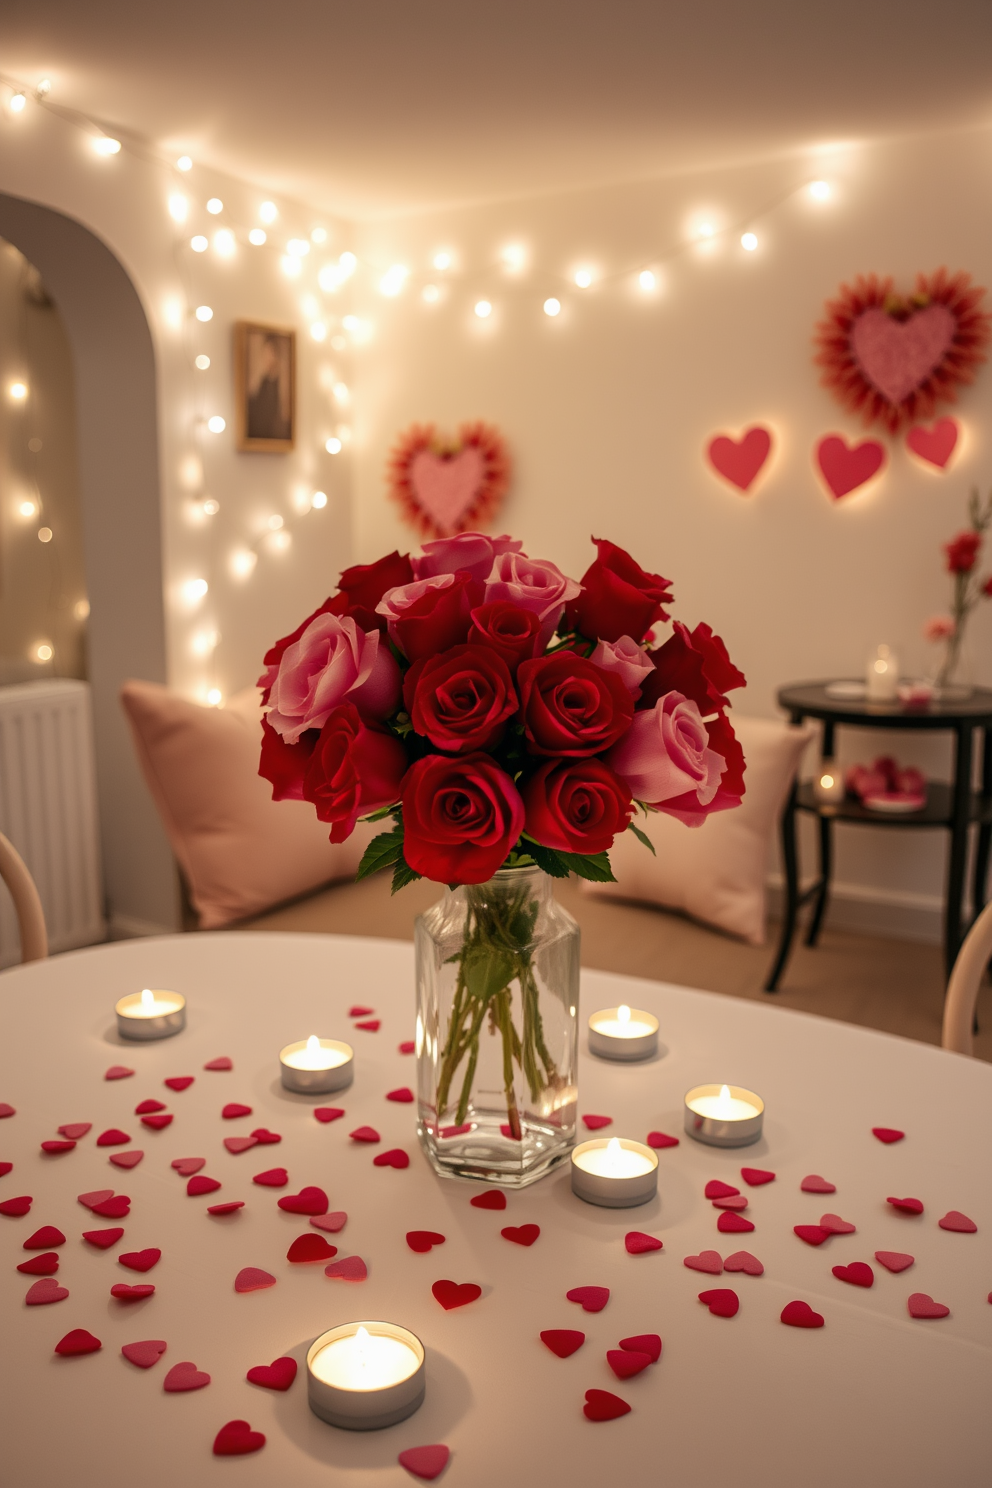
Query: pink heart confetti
{"x":77,"y":1341}
{"x":834,"y":1225}
{"x":812,"y":1234}
{"x":372,"y":1026}
{"x":228,"y":1208}
{"x":185,"y":1376}
{"x":127,"y":1159}
{"x":407,"y":1046}
{"x":331,"y":1223}
{"x":278,"y":1375}
{"x":563,"y":1341}
{"x":721,"y":1301}
{"x":310,"y":1247}
{"x":103,"y":1239}
{"x":45,"y":1291}
{"x":53,"y":1146}
{"x":240,"y":1144}
{"x":179,"y":1082}
{"x":733,"y":1224}
{"x":201,"y":1184}
{"x":603,"y":1405}
{"x":717,"y":1189}
{"x":140,"y":1260}
{"x":757,"y":1176}
{"x":125,"y":1293}
{"x":145,"y":1353}
{"x":41,"y":1265}
{"x":365,"y":1134}
{"x":644,"y":1343}
{"x":272,"y":1178}
{"x":590,"y":1298}
{"x":661,"y":1139}
{"x":920,"y":1306}
{"x":233,"y":1110}
{"x":596,"y":1123}
{"x":813,"y":1183}
{"x":310,"y":1200}
{"x":394,"y":1158}
{"x":521,"y":1234}
{"x":349,"y":1268}
{"x":14,"y":1208}
{"x":403,"y":1095}
{"x":858,"y":1273}
{"x":146,"y":1107}
{"x":158,"y":1122}
{"x":908,"y":1206}
{"x":328,"y":1113}
{"x":265,"y":1137}
{"x":425,"y":1462}
{"x":423,"y":1241}
{"x":118,"y":1072}
{"x":75,"y":1130}
{"x":625,"y":1363}
{"x":187,"y":1166}
{"x":493,"y":1198}
{"x":637,"y":1243}
{"x":887,"y":1134}
{"x":452,"y":1294}
{"x":236,"y":1438}
{"x":707,"y":1260}
{"x":95,"y":1196}
{"x":743,"y":1260}
{"x":801,"y":1315}
{"x":223,"y":1063}
{"x":113,"y":1137}
{"x":894,"y":1260}
{"x":955,"y":1220}
{"x":733,"y":1201}
{"x":252,"y":1279}
{"x":6,"y":1110}
{"x":360,"y":1012}
{"x":44,"y":1238}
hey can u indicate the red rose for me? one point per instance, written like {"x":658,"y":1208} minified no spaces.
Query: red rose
{"x":730,"y":791}
{"x":694,"y":663}
{"x":578,"y":807}
{"x":461,"y":699}
{"x":571,"y":707}
{"x":618,"y":597}
{"x":513,"y":633}
{"x":284,"y":765}
{"x":364,"y":585}
{"x":429,"y":615}
{"x":962,"y":553}
{"x":355,"y":767}
{"x":460,"y":817}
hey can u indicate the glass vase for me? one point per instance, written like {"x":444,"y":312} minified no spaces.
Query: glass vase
{"x":497,"y":1029}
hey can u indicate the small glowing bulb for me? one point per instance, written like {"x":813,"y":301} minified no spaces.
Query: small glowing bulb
{"x":347,"y":264}
{"x":318,"y":235}
{"x":826,"y":781}
{"x":275,"y":523}
{"x":184,"y":163}
{"x":352,"y":323}
{"x":329,"y":278}
{"x":44,"y":88}
{"x":705,"y":230}
{"x":819,"y":190}
{"x":623,"y":1013}
{"x":243,"y":562}
{"x":81,"y":609}
{"x":483,"y":309}
{"x":646,"y":279}
{"x":881,"y":666}
{"x":280,"y":541}
{"x":393,"y":280}
{"x":552,"y":307}
{"x":211,"y":507}
{"x":290,"y":266}
{"x":204,"y":313}
{"x":514,"y":255}
{"x":442,"y":261}
{"x":27,"y":509}
{"x":319,"y":499}
{"x":318,"y":330}
{"x":17,"y":103}
{"x":341,"y":392}
{"x":268,"y":212}
{"x":216,"y":424}
{"x":298,"y":247}
{"x":430,"y":293}
{"x":43,"y":651}
{"x":104,"y":145}
{"x":18,"y":391}
{"x":203,"y":642}
{"x":178,"y":207}
{"x":147,"y":999}
{"x":194,"y":590}
{"x":44,"y":534}
{"x":202,"y":362}
{"x":199,"y":244}
{"x":583,"y":278}
{"x":215,"y":697}
{"x":333,"y":446}
{"x":224,"y":242}
{"x":749,"y":241}
{"x":257,"y":237}
{"x":215,"y":206}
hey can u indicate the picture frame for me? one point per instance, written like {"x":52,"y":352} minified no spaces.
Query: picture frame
{"x":265,"y":387}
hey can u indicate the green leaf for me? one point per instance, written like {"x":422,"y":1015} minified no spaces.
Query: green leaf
{"x":379,"y":815}
{"x":548,"y":859}
{"x":641,"y":837}
{"x":383,"y":850}
{"x":403,"y":874}
{"x":594,"y":866}
{"x":487,"y":970}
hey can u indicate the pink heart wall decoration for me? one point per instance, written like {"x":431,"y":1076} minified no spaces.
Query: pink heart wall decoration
{"x":739,"y":461}
{"x":936,"y":445}
{"x":897,"y":356}
{"x":444,"y":485}
{"x":845,"y":467}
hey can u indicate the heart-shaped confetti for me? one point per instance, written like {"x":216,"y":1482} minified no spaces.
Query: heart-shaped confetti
{"x":113,"y":1137}
{"x":127,"y":1159}
{"x":637,"y":1243}
{"x":625,"y":1363}
{"x":661,"y":1139}
{"x":310,"y":1200}
{"x":596,"y":1123}
{"x":493,"y":1198}
{"x":233,"y":1110}
{"x":603,"y":1405}
{"x":158,"y":1122}
{"x":408,"y":1046}
{"x":887,"y":1134}
{"x":236,"y":1438}
{"x":45,"y":1291}
{"x":743,"y":1260}
{"x":955,"y":1220}
{"x":563,"y":1341}
{"x":103,"y":1239}
{"x":125,"y":1293}
{"x":310,"y":1247}
{"x":145,"y":1353}
{"x":707,"y":1260}
{"x":403,"y":1095}
{"x":423,"y":1241}
{"x":240,"y":1144}
{"x":733,"y":1224}
{"x":936,"y":444}
{"x":332,"y":1223}
{"x":757,"y":1176}
{"x":721,"y":1301}
{"x":187,"y":1166}
{"x":920,"y":1306}
{"x":834,"y":1225}
{"x":739,"y":461}
{"x":732,"y":1201}
{"x":425,"y":1462}
{"x":812,"y":1234}
{"x":95,"y":1196}
{"x":349,"y":1268}
{"x":272,"y":1178}
{"x":372,"y":1026}
{"x":146,"y":1107}
{"x":44,"y":1238}
{"x":278,"y":1375}
{"x":858,"y":1273}
{"x":14,"y":1208}
{"x":813,"y":1183}
{"x":644,"y":1343}
{"x":521,"y":1234}
{"x":717,"y":1189}
{"x":253,"y":1279}
{"x":6,"y":1110}
{"x":328,"y":1113}
{"x":54,"y":1145}
{"x":77,"y":1341}
{"x":75,"y":1130}
{"x":365,"y":1134}
{"x":590,"y":1298}
{"x":265,"y":1137}
{"x":140,"y":1260}
{"x":116,"y":1207}
{"x":118,"y":1072}
{"x":222,"y":1063}
{"x":228,"y":1208}
{"x":185,"y":1376}
{"x":894,"y":1260}
{"x":908,"y":1206}
{"x":179,"y":1082}
{"x":41,"y":1265}
{"x":455,"y":1294}
{"x":801,"y":1315}
{"x":394,"y":1158}
{"x":360,"y":1012}
{"x":201,"y":1184}
{"x":5,"y":1168}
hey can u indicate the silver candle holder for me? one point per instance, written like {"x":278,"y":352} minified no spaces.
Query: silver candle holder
{"x":314,"y":1066}
{"x":614,"y":1172}
{"x":356,"y":1383}
{"x":623,"y":1033}
{"x":150,"y":1015}
{"x":723,"y":1115}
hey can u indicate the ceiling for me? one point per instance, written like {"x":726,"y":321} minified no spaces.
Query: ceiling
{"x":378,"y":106}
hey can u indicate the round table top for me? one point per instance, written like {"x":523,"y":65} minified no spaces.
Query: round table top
{"x":812,"y":700}
{"x":872,"y":1397}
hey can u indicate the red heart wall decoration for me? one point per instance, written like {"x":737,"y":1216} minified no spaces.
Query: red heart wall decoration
{"x":740,"y":461}
{"x":936,"y":444}
{"x":845,"y":467}
{"x":444,"y":486}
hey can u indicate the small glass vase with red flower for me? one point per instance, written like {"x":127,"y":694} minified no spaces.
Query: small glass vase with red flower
{"x":962,"y":557}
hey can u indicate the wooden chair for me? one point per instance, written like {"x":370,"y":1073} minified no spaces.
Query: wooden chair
{"x":30,"y":915}
{"x":962,"y":989}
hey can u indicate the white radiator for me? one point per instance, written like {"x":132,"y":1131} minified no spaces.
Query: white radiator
{"x":48,"y":810}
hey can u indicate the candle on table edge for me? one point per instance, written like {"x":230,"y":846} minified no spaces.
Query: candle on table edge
{"x":614,"y":1172}
{"x":315,"y":1066}
{"x":364,"y":1376}
{"x":150,"y":1014}
{"x":723,"y":1115}
{"x":623,"y":1033}
{"x":828,"y":784}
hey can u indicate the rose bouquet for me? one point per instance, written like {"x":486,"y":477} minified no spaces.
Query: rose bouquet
{"x":961,"y":558}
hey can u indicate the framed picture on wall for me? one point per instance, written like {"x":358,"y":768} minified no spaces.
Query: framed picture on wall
{"x":265,"y":387}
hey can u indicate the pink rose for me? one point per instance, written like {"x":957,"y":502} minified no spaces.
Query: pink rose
{"x":469,"y":552}
{"x":665,"y":753}
{"x":429,"y":615}
{"x":939,"y":628}
{"x":332,"y":661}
{"x":627,"y":659}
{"x":532,"y":584}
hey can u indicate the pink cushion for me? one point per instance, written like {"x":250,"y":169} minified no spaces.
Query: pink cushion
{"x":716,"y":872}
{"x":240,"y":851}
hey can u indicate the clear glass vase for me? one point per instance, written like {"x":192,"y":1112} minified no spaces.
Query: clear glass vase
{"x":497,"y":1022}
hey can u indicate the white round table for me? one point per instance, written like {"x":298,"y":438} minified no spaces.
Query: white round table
{"x":873,"y":1397}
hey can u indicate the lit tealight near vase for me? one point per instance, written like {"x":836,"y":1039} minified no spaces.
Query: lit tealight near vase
{"x":363,"y":1376}
{"x":614,"y":1173}
{"x":828,"y":783}
{"x":623,"y":1033}
{"x":723,"y":1115}
{"x":316,"y":1066}
{"x":151,"y":1015}
{"x":882,"y":677}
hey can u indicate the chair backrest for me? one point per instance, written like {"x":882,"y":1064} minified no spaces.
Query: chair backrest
{"x":965,"y":980}
{"x":30,"y":915}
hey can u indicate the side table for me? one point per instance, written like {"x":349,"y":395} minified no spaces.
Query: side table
{"x":955,"y":807}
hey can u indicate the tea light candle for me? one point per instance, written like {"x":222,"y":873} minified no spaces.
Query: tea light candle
{"x":723,"y":1115}
{"x":316,"y":1066}
{"x":623,"y":1033}
{"x":363,"y":1376}
{"x":882,"y":679}
{"x":614,"y":1173}
{"x":151,"y":1015}
{"x":828,"y":785}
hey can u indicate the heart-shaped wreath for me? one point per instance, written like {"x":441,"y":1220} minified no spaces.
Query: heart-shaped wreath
{"x":446,"y":486}
{"x":893,"y":358}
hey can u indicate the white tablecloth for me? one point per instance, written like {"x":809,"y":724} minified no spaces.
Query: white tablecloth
{"x":871,"y":1398}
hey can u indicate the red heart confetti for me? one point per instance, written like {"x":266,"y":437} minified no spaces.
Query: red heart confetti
{"x":743,"y":1260}
{"x":272,"y":1178}
{"x":349,"y":1268}
{"x":909,"y":1206}
{"x":125,"y":1293}
{"x":425,"y":1462}
{"x":625,"y":1363}
{"x":145,"y":1353}
{"x":44,"y":1238}
{"x":185,"y":1376}
{"x":233,"y":1110}
{"x":887,"y":1134}
{"x":858,"y":1273}
{"x":707,"y":1260}
{"x":146,"y":1107}
{"x":179,"y":1082}
{"x":455,"y":1294}
{"x":661,"y":1139}
{"x":644,"y":1343}
{"x":733,"y":1224}
{"x":227,"y":1208}
{"x":252,"y":1279}
{"x":265,"y":1137}
{"x":493,"y":1198}
{"x":812,"y":1234}
{"x":45,"y":1291}
{"x":158,"y":1122}
{"x":186,"y":1166}
{"x":14,"y":1208}
{"x":955,"y":1220}
{"x":236,"y":1438}
{"x":920,"y":1306}
{"x":330,"y":1222}
{"x":96,"y":1196}
{"x":118,"y":1072}
{"x":240,"y":1144}
{"x":372,"y":1026}
{"x":53,"y":1145}
{"x":813,"y":1183}
{"x":328,"y":1113}
{"x":360,"y":1012}
{"x":308,"y":1201}
{"x":222,"y":1063}
{"x":113,"y":1137}
{"x":77,"y":1341}
{"x":801,"y":1315}
{"x":103,"y":1239}
{"x":74,"y":1130}
{"x":602,"y":1405}
{"x":422,"y":1241}
{"x":757,"y":1176}
{"x":637,"y":1243}
{"x":403,"y":1096}
{"x":140,"y":1260}
{"x":894,"y":1260}
{"x":733,"y":1201}
{"x":407,"y":1046}
{"x":394,"y":1158}
{"x":834,"y":1225}
{"x":739,"y":461}
{"x":721,"y":1301}
{"x":466,"y":1126}
{"x":521,"y":1234}
{"x":5,"y":1168}
{"x":716,"y":1189}
{"x":365,"y":1134}
{"x":6,"y":1110}
{"x":310,"y":1247}
{"x":127,"y":1159}
{"x":41,"y":1265}
{"x":201,"y":1184}
{"x":563,"y":1341}
{"x":278,"y":1375}
{"x":591,"y":1298}
{"x":595,"y":1123}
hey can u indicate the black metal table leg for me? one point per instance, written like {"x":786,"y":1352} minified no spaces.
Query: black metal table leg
{"x":984,"y":832}
{"x":953,"y":909}
{"x":791,"y":906}
{"x":823,"y":888}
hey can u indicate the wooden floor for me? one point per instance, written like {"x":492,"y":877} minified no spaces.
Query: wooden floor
{"x":893,"y":985}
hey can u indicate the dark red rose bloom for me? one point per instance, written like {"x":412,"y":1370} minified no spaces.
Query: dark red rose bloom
{"x":730,"y":791}
{"x":618,"y":597}
{"x":514,"y":634}
{"x":284,"y":765}
{"x":355,"y":767}
{"x":364,"y":585}
{"x":438,"y":616}
{"x":694,"y":663}
{"x":962,"y":553}
{"x":571,"y":707}
{"x":578,"y":807}
{"x":461,"y":699}
{"x":460,"y":817}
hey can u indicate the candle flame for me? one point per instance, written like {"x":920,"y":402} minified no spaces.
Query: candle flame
{"x":313,"y":1044}
{"x":147,"y":998}
{"x":623,"y":1013}
{"x":613,"y":1152}
{"x":362,"y":1347}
